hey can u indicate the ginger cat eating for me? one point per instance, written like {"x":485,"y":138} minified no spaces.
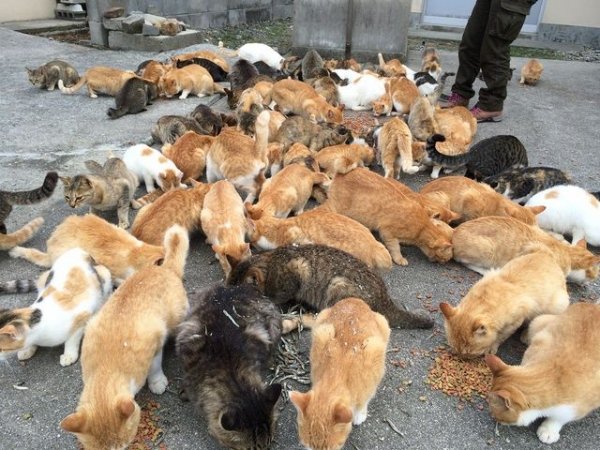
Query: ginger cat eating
{"x":296,"y":97}
{"x":192,"y":79}
{"x":103,"y":80}
{"x":188,"y":153}
{"x":343,"y":158}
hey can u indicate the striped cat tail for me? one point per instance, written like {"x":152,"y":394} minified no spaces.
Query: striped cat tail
{"x":176,"y":244}
{"x":441,"y":159}
{"x":35,"y":195}
{"x":115,"y":113}
{"x":17,"y":286}
{"x":8,"y":241}
{"x":74,"y":88}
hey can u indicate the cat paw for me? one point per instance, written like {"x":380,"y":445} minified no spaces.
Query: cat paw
{"x":158,"y":384}
{"x":548,"y":433}
{"x":401,"y":261}
{"x":124,"y":225}
{"x":66,"y":359}
{"x":15,"y":252}
{"x":359,"y":417}
{"x":411,"y":170}
{"x":26,"y":353}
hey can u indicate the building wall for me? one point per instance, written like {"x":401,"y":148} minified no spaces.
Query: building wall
{"x":11,"y":10}
{"x":582,"y":13}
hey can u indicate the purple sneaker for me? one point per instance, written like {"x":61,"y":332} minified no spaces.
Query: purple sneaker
{"x":454,"y":100}
{"x":485,"y":116}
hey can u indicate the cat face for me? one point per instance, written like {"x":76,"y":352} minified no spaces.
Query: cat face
{"x":14,"y":327}
{"x":440,"y":249}
{"x":506,"y":401}
{"x":168,"y":85}
{"x":170,"y":179}
{"x":468,"y":336}
{"x":37,"y":77}
{"x":381,"y":106}
{"x":77,"y":191}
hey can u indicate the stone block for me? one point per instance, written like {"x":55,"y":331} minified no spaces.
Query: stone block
{"x":150,"y":30}
{"x":124,"y":41}
{"x":113,"y":24}
{"x":114,"y":12}
{"x":247,"y":4}
{"x":283,"y":11}
{"x":98,"y":34}
{"x":258,"y":15}
{"x":178,"y":7}
{"x":133,"y":24}
{"x":236,"y":17}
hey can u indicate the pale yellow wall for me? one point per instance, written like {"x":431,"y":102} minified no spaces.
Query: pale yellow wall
{"x":26,"y":9}
{"x":416,"y":6}
{"x":583,"y":13}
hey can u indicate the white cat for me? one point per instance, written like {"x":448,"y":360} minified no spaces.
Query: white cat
{"x":152,"y":166}
{"x":255,"y":51}
{"x":569,"y":210}
{"x":69,"y":294}
{"x":360,"y":93}
{"x":347,"y":74}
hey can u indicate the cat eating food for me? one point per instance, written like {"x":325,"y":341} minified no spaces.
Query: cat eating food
{"x":292,"y":96}
{"x":47,"y":75}
{"x":133,"y":98}
{"x":99,"y":79}
{"x":192,"y":79}
{"x":531,"y":72}
{"x":188,"y":153}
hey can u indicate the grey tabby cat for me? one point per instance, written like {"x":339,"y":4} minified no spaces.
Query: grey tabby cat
{"x":134,"y":96}
{"x":209,"y":121}
{"x":46,"y":76}
{"x":314,"y":136}
{"x":170,"y":128}
{"x":318,"y":277}
{"x":312,"y":63}
{"x":486,"y":158}
{"x":106,"y":188}
{"x":226,"y":347}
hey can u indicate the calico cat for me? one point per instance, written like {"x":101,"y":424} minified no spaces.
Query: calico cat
{"x":192,"y":79}
{"x":47,"y":75}
{"x":531,"y":72}
{"x":360,"y":93}
{"x":421,"y":119}
{"x":216,"y":72}
{"x":292,"y":96}
{"x":311,"y":64}
{"x":99,"y":79}
{"x":106,"y":188}
{"x":123,"y":349}
{"x":188,"y":153}
{"x":343,"y":158}
{"x":487,"y":158}
{"x":394,"y":144}
{"x":372,"y":201}
{"x":472,"y":200}
{"x":179,"y":206}
{"x":569,"y":210}
{"x":392,"y":68}
{"x":490,"y":242}
{"x":152,"y":167}
{"x":169,"y":128}
{"x":503,"y":300}
{"x":558,"y":376}
{"x":133,"y":98}
{"x":224,"y":224}
{"x":298,"y":129}
{"x":69,"y":294}
{"x":430,"y":62}
{"x":319,"y":276}
{"x":226,"y":345}
{"x":343,"y":382}
{"x":107,"y":244}
{"x":253,"y":52}
{"x":323,"y":227}
{"x":240,"y":159}
{"x":204,"y":54}
{"x":287,"y":191}
{"x":9,"y":199}
{"x":521,"y":184}
{"x":210,"y":122}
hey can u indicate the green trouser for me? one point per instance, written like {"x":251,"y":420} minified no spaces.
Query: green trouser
{"x":485,"y":45}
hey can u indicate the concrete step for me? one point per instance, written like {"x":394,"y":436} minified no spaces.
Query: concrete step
{"x":43,"y":26}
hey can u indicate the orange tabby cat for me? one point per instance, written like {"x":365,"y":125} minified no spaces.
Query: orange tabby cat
{"x":275,"y":121}
{"x":371,"y":200}
{"x":286,"y":192}
{"x":123,"y":348}
{"x":192,"y":79}
{"x":392,"y":68}
{"x":299,"y":153}
{"x":154,"y":70}
{"x":347,"y":360}
{"x":204,"y":54}
{"x":188,"y":153}
{"x":264,"y":88}
{"x":224,"y":224}
{"x":559,"y":377}
{"x":239,"y":158}
{"x":107,"y":244}
{"x":321,"y":226}
{"x":248,"y":98}
{"x":274,"y":157}
{"x":421,"y":120}
{"x":471,"y":200}
{"x":23,"y":234}
{"x":491,"y":242}
{"x":343,"y":158}
{"x":180,"y":206}
{"x":458,"y":126}
{"x":531,"y":72}
{"x":296,"y":97}
{"x":394,"y":142}
{"x":104,"y":80}
{"x":503,"y":300}
{"x":400,"y":94}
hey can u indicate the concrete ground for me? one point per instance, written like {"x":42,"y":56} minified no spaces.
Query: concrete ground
{"x":557,"y":121}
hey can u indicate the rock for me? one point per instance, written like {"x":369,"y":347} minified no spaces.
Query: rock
{"x":133,"y":24}
{"x":150,"y":30}
{"x":114,"y":12}
{"x":115,"y":24}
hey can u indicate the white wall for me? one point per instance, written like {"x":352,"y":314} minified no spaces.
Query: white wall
{"x":26,"y":9}
{"x":583,"y":13}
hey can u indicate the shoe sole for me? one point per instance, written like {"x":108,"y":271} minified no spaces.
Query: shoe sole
{"x":490,"y":119}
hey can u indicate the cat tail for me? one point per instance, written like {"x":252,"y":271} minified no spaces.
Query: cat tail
{"x":74,"y":88}
{"x":400,"y":317}
{"x":254,"y":211}
{"x":115,"y":113}
{"x":262,"y":136}
{"x":440,"y":158}
{"x":17,"y":286}
{"x":225,"y":51}
{"x":8,"y":241}
{"x":35,"y":195}
{"x":176,"y":244}
{"x":380,"y":59}
{"x":344,"y":165}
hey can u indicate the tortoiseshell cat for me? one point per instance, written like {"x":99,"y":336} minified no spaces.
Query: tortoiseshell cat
{"x":225,"y":346}
{"x":9,"y":199}
{"x":47,"y":75}
{"x":486,"y":158}
{"x":522,"y":184}
{"x":106,"y":188}
{"x":320,"y":276}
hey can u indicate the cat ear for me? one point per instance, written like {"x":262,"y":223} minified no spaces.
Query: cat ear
{"x":218,"y":249}
{"x":29,"y":71}
{"x":342,"y":414}
{"x":479,"y":328}
{"x":499,"y":399}
{"x":448,"y":310}
{"x":74,"y":423}
{"x":581,"y":243}
{"x":66,"y":180}
{"x":229,"y":421}
{"x":272,"y":393}
{"x":301,"y":400}
{"x":536,"y":209}
{"x":125,"y":406}
{"x":495,"y":364}
{"x":10,"y":332}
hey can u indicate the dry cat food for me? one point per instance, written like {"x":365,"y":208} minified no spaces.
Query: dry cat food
{"x":464,"y":379}
{"x":149,"y":435}
{"x":360,"y":124}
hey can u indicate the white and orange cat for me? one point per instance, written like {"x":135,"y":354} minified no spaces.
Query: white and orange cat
{"x":287,"y":191}
{"x":239,"y":158}
{"x":394,"y":143}
{"x":100,"y":80}
{"x":225,"y":225}
{"x":347,"y":358}
{"x":179,"y":206}
{"x":502,"y":301}
{"x":192,"y":79}
{"x":559,"y":376}
{"x":296,"y":97}
{"x":123,"y":349}
{"x":471,"y":200}
{"x":400,"y":95}
{"x":69,"y":294}
{"x":320,"y":226}
{"x":391,"y":68}
{"x":343,"y":158}
{"x":107,"y":244}
{"x":151,"y":166}
{"x":188,"y":153}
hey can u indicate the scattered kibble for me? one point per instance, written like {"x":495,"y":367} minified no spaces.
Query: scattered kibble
{"x":149,"y":434}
